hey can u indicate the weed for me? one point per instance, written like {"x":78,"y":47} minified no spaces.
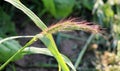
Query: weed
{"x":46,"y":36}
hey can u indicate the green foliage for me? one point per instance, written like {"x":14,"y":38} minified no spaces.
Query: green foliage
{"x":108,"y":15}
{"x":7,"y":49}
{"x":116,"y":26}
{"x":59,"y":8}
{"x":107,"y":10}
{"x":88,"y":4}
{"x":104,"y":13}
{"x":7,"y":27}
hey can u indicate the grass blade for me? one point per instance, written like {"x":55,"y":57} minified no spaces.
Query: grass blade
{"x":45,"y":51}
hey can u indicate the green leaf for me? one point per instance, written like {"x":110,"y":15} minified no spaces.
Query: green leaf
{"x":7,"y":49}
{"x":7,"y":27}
{"x":59,"y":8}
{"x":45,"y":51}
{"x":50,"y":6}
{"x":88,"y":4}
{"x":63,"y":7}
{"x":50,"y":44}
{"x":108,"y":10}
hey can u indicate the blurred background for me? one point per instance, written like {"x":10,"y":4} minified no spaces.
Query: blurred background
{"x":88,"y":52}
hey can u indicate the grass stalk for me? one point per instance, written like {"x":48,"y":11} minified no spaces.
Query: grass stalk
{"x":83,"y":51}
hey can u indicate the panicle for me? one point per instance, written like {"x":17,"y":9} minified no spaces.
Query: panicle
{"x":74,"y":24}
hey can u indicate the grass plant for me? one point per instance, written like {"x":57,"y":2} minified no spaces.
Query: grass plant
{"x":46,"y":36}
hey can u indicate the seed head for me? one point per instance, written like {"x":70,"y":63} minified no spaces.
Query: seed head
{"x":73,"y":24}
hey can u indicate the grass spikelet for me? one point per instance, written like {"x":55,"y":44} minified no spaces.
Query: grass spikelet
{"x":73,"y":24}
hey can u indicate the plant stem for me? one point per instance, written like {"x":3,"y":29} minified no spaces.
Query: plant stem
{"x":10,"y":59}
{"x":59,"y":68}
{"x":50,"y":44}
{"x":83,"y":51}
